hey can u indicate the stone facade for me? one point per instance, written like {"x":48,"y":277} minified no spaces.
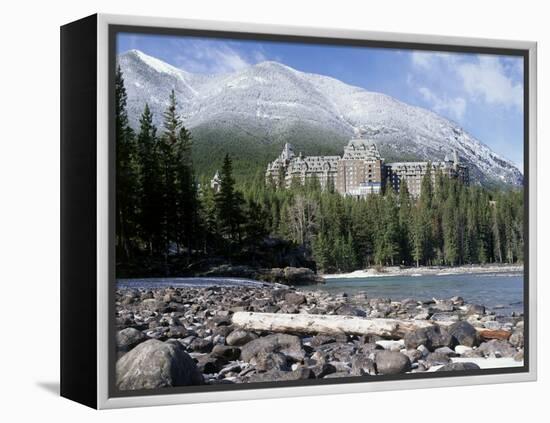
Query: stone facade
{"x":361,"y":171}
{"x":413,"y":173}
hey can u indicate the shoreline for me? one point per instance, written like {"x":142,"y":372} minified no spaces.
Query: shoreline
{"x":425,"y":271}
{"x":229,"y":334}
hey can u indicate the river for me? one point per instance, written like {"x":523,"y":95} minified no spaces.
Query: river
{"x":500,"y":292}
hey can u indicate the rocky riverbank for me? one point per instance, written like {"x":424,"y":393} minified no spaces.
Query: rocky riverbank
{"x":427,"y":270}
{"x":186,"y":336}
{"x":287,"y":276}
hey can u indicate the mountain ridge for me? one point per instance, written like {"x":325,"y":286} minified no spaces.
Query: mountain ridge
{"x":269,"y":100}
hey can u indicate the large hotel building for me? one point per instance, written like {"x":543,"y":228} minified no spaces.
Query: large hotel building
{"x":360,"y":171}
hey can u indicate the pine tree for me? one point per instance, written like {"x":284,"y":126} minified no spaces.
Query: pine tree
{"x":255,"y":226}
{"x":229,"y":204}
{"x":405,"y":223}
{"x":149,"y":183}
{"x":126,"y":174}
{"x":450,"y":228}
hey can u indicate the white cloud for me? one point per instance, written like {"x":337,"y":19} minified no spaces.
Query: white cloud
{"x":214,"y":57}
{"x":486,"y":80}
{"x":453,"y":107}
{"x":471,"y":78}
{"x":427,"y":60}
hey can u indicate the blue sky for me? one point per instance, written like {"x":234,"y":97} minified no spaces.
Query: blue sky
{"x":482,"y":93}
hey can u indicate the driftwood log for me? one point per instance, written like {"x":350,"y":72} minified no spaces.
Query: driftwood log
{"x":326,"y":324}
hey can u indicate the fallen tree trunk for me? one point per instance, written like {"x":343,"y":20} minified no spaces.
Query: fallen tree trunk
{"x":326,"y":324}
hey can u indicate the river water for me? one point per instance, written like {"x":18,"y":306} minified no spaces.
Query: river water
{"x":500,"y":292}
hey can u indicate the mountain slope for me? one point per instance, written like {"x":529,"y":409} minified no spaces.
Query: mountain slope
{"x":269,"y":103}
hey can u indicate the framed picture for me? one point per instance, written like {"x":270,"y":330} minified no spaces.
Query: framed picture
{"x":254,"y":211}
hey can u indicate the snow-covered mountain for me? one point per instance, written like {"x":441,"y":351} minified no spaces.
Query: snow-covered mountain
{"x":268,"y":100}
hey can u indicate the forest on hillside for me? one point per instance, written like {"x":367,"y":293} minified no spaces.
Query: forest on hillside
{"x":168,"y":220}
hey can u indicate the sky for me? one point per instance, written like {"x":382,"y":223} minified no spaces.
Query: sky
{"x":482,"y":93}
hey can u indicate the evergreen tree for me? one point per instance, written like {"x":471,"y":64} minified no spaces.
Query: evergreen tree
{"x":405,"y":223}
{"x":127,"y":174}
{"x":255,"y":226}
{"x":229,"y":204}
{"x":150,"y":181}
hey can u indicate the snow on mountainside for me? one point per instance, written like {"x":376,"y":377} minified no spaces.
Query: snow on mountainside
{"x":269,"y":98}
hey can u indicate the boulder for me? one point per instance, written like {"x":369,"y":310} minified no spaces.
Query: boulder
{"x":349,"y":310}
{"x":517,"y":339}
{"x":392,"y":362}
{"x":436,"y":359}
{"x":475,"y":309}
{"x":301,"y":276}
{"x":458,"y":367}
{"x":225,"y":351}
{"x":293,"y":298}
{"x":154,"y":364}
{"x":289,"y":345}
{"x":438,"y":337}
{"x":210,"y":364}
{"x":278,"y":375}
{"x":391,"y":345}
{"x":496,"y":348}
{"x":463,"y":333}
{"x":128,"y":338}
{"x":319,"y":340}
{"x":444,"y":306}
{"x":462,"y":349}
{"x":239,"y":337}
{"x":321,"y":370}
{"x":415,"y":338}
{"x":362,"y":365}
{"x":267,"y":361}
{"x":432,"y":338}
{"x":200,"y":345}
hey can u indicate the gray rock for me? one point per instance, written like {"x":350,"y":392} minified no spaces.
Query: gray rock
{"x":446,"y":305}
{"x":295,"y":299}
{"x":209,"y":364}
{"x":278,"y":375}
{"x":446,"y":351}
{"x":432,"y":338}
{"x":319,"y":340}
{"x":289,"y":345}
{"x":154,"y":364}
{"x":201,"y":345}
{"x":414,"y":355}
{"x":476,"y":309}
{"x":517,"y":339}
{"x":496,"y":348}
{"x":464,"y":334}
{"x":392,"y":362}
{"x":177,"y":332}
{"x":128,"y":338}
{"x":458,"y":367}
{"x":362,"y":365}
{"x":348,"y":310}
{"x":267,"y":361}
{"x":436,"y":359}
{"x":445,"y":317}
{"x":240,"y":337}
{"x":438,"y":337}
{"x":415,"y":338}
{"x":228,"y":352}
{"x":321,"y":370}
